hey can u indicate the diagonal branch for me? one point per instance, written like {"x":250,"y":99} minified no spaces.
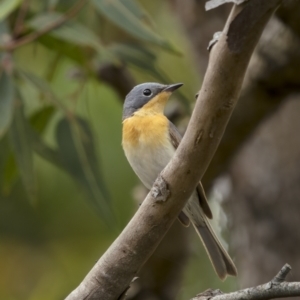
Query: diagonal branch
{"x":13,"y":44}
{"x":276,"y":288}
{"x":229,"y":59}
{"x":19,"y":23}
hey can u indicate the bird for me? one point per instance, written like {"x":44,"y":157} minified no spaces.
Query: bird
{"x":149,"y":140}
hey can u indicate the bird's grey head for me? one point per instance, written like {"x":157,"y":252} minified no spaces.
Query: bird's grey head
{"x":142,"y":94}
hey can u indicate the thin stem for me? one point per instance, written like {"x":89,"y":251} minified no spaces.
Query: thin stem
{"x":35,"y":35}
{"x":19,"y":24}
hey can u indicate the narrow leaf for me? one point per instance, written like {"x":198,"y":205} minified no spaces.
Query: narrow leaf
{"x":64,"y":48}
{"x":144,"y":59}
{"x":40,"y":119}
{"x":6,"y":101}
{"x":215,"y":3}
{"x":71,"y":31}
{"x":42,"y":85}
{"x":7,"y":7}
{"x":22,"y":148}
{"x":4,"y":31}
{"x":44,"y":151}
{"x":136,"y":55}
{"x":77,"y":149}
{"x":10,"y":174}
{"x":136,"y":9}
{"x":127,"y":15}
{"x":52,"y":4}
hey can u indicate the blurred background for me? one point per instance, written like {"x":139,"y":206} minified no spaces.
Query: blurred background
{"x":66,"y":189}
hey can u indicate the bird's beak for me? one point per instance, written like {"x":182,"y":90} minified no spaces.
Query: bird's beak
{"x":172,"y":87}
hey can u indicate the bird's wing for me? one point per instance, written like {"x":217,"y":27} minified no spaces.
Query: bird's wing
{"x":175,"y":140}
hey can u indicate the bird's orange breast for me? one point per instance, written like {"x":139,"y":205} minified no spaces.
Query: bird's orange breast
{"x":145,"y":130}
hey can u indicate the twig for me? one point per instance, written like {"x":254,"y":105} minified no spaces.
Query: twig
{"x":276,"y":288}
{"x":20,"y":18}
{"x":280,"y":277}
{"x":12,"y":45}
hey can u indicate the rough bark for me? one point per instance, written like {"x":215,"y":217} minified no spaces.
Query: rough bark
{"x":264,"y":200}
{"x":271,"y":76}
{"x":276,"y":288}
{"x":161,"y":276}
{"x":114,"y":271}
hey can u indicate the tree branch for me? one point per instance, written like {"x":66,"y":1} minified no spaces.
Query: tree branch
{"x":112,"y":274}
{"x":276,"y":288}
{"x":19,"y":23}
{"x":13,"y":44}
{"x":271,"y":75}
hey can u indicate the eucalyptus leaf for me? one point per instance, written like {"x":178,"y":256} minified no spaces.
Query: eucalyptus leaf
{"x":52,"y":4}
{"x":144,"y":59}
{"x":7,"y":7}
{"x":71,"y":31}
{"x":4,"y":31}
{"x":136,"y":55}
{"x":40,"y":119}
{"x":128,"y":16}
{"x":22,"y":148}
{"x":7,"y":93}
{"x":42,"y":85}
{"x":140,"y":57}
{"x":215,"y":3}
{"x":77,"y":150}
{"x":45,"y":151}
{"x":10,"y":174}
{"x":136,"y":9}
{"x":65,"y":48}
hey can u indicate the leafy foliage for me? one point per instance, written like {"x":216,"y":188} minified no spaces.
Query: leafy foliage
{"x":60,"y":131}
{"x":6,"y":101}
{"x":63,"y":28}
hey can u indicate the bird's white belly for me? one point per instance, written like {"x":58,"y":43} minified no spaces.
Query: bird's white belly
{"x":148,"y":162}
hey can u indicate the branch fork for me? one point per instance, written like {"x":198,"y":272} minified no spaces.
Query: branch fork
{"x":276,"y":288}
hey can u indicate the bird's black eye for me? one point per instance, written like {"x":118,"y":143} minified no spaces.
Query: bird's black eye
{"x":147,"y":92}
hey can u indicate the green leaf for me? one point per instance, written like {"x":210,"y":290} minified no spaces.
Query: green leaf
{"x":40,"y":119}
{"x":7,"y":7}
{"x":71,"y":31}
{"x":44,"y":151}
{"x":52,"y":4}
{"x":127,"y":15}
{"x":136,"y":10}
{"x":136,"y":55}
{"x":38,"y":82}
{"x":4,"y":31}
{"x":144,"y":59}
{"x":62,"y":47}
{"x":22,"y":148}
{"x":7,"y":93}
{"x":10,"y":174}
{"x":42,"y":85}
{"x":77,"y":150}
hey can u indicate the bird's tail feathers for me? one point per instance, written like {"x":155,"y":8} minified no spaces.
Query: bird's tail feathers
{"x":218,"y":256}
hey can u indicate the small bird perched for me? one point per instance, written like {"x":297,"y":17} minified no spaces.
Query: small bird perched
{"x":149,"y":141}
